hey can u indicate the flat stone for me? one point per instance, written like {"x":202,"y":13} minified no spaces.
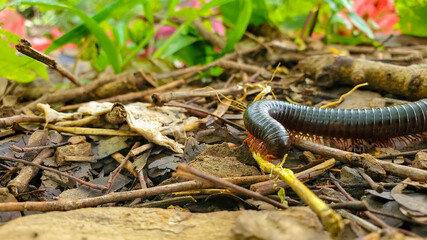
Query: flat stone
{"x":350,"y":176}
{"x":153,"y":223}
{"x":68,"y":153}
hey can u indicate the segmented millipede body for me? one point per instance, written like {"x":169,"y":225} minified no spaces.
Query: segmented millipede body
{"x":271,"y":121}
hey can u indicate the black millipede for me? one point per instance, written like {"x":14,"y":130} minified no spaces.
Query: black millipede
{"x":270,"y":123}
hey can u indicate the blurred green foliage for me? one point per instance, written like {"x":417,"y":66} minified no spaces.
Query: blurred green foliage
{"x":412,"y":16}
{"x":114,"y":32}
{"x":21,"y":69}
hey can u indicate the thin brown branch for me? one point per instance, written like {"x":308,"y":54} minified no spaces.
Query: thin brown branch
{"x":161,"y":98}
{"x":369,"y":212}
{"x":115,"y":173}
{"x":144,"y":95}
{"x":53,"y":170}
{"x":350,"y":198}
{"x":375,"y":186}
{"x":24,"y":47}
{"x":227,"y":64}
{"x":120,"y":158}
{"x":8,"y":121}
{"x":65,"y":95}
{"x":306,"y":24}
{"x":355,"y":159}
{"x":362,"y":222}
{"x":20,"y":183}
{"x":394,"y":155}
{"x":26,"y":149}
{"x":209,"y":36}
{"x":138,"y":150}
{"x":184,"y":170}
{"x":181,"y":105}
{"x":120,"y":196}
{"x":315,"y":19}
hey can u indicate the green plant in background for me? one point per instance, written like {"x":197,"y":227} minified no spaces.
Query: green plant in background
{"x":337,"y":19}
{"x":117,"y":52}
{"x":289,"y":14}
{"x":103,"y":40}
{"x":21,"y":69}
{"x":121,"y":29}
{"x":343,"y":22}
{"x":412,"y":16}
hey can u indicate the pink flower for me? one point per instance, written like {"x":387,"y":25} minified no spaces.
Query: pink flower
{"x":40,"y":43}
{"x":382,"y":12}
{"x":13,"y":22}
{"x":56,"y":33}
{"x":164,"y":32}
{"x":218,"y":27}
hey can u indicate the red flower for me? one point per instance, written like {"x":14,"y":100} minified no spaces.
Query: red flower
{"x":382,"y":12}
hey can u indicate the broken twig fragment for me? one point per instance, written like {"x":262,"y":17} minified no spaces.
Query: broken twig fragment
{"x":24,"y":47}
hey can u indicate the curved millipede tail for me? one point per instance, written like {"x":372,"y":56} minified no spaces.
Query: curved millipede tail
{"x":270,"y":121}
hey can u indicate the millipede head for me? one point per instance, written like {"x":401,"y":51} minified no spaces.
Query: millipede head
{"x":258,"y":146}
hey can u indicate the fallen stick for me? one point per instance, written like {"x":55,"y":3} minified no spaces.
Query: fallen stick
{"x":52,"y":170}
{"x":65,"y":95}
{"x":25,"y":48}
{"x":355,"y":159}
{"x":407,"y":81}
{"x":185,"y":171}
{"x":64,"y":205}
{"x":131,"y":96}
{"x":7,"y":121}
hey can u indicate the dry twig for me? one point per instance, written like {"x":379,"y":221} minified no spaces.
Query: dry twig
{"x":144,"y":95}
{"x":24,"y":47}
{"x":26,"y":149}
{"x":190,"y":173}
{"x":53,"y":170}
{"x":115,"y":173}
{"x":120,"y":196}
{"x":7,"y":121}
{"x":355,"y":159}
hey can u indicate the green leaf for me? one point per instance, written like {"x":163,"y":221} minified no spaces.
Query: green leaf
{"x":361,"y":24}
{"x":259,"y":12}
{"x":187,"y":13}
{"x":347,"y":4}
{"x":100,"y":62}
{"x":138,"y":31}
{"x":208,"y":75}
{"x":104,"y":41}
{"x":412,"y":17}
{"x":240,"y":24}
{"x":136,"y":49}
{"x":151,"y":33}
{"x":189,"y":20}
{"x":172,"y":6}
{"x":336,"y":18}
{"x":198,"y":53}
{"x":289,"y":12}
{"x":334,"y":7}
{"x":148,"y":10}
{"x":354,"y":40}
{"x":282,"y":195}
{"x":179,"y":43}
{"x":77,"y":33}
{"x":297,"y":22}
{"x":21,"y":69}
{"x":119,"y":32}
